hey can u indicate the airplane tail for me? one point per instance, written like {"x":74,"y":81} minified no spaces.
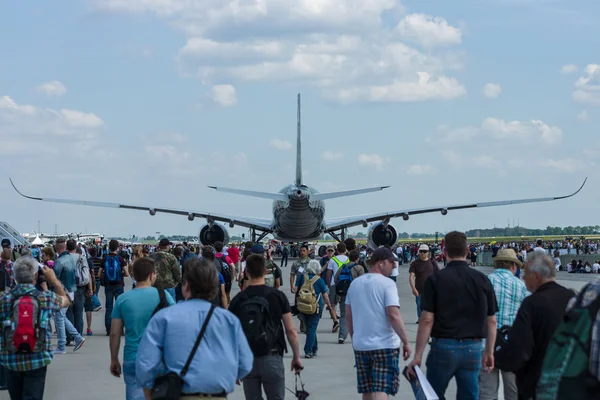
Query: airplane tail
{"x":299,"y":149}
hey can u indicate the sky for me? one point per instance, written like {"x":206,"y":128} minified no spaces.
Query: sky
{"x":147,"y":102}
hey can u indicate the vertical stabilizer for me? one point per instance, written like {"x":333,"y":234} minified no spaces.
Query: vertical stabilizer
{"x":299,"y":149}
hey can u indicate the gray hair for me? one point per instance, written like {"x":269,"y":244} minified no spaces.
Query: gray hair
{"x":313,"y":267}
{"x":25,"y":269}
{"x":25,"y":252}
{"x":542,"y":264}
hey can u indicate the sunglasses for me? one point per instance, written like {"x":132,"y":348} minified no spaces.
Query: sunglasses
{"x":423,"y":251}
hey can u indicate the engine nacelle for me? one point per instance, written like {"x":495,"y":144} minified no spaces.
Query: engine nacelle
{"x":444,"y":211}
{"x":405,"y":217}
{"x":152,"y":211}
{"x":380,"y":235}
{"x":211,"y":233}
{"x":191,"y":216}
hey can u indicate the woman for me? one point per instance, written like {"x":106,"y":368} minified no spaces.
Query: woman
{"x":311,"y":346}
{"x":6,"y":270}
{"x":138,"y":252}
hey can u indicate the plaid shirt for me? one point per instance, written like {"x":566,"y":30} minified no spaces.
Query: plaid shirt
{"x":510,"y":293}
{"x":49,"y":303}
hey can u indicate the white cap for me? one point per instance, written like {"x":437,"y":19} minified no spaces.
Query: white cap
{"x":423,"y":247}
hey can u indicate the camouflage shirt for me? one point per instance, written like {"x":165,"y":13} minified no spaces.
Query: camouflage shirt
{"x":297,"y":264}
{"x":168,"y":272}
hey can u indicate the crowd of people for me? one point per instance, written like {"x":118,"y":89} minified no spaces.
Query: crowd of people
{"x":185,"y":329}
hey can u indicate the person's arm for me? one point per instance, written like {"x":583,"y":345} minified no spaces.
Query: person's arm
{"x":411,"y":281}
{"x":246,"y":358}
{"x":116,"y":328}
{"x":349,"y":321}
{"x":490,"y":342}
{"x":51,"y":278}
{"x":423,"y":334}
{"x":329,"y":272}
{"x":233,"y":269}
{"x":223,"y":297}
{"x":149,"y":360}
{"x":395,"y":319}
{"x":277,"y":276}
{"x":292,"y":337}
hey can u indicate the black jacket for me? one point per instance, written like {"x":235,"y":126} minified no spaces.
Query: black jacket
{"x":537,"y":319}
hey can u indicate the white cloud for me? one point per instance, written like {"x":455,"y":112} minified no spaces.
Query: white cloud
{"x":280,"y":144}
{"x":52,"y":88}
{"x":568,"y":69}
{"x":429,"y":31}
{"x":331,"y":156}
{"x":419,"y":169}
{"x":80,"y":119}
{"x":583,"y":116}
{"x":345,"y":48}
{"x":587,"y":87}
{"x":224,"y":95}
{"x":373,"y":160}
{"x":563,"y":165}
{"x":492,"y":90}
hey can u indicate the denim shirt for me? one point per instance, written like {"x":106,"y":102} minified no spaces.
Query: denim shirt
{"x":65,"y":270}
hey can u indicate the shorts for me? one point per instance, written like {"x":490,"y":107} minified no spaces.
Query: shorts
{"x":378,"y":371}
{"x":87,"y":304}
{"x":333,"y":297}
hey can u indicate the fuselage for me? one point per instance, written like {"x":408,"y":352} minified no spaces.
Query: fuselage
{"x":299,"y":218}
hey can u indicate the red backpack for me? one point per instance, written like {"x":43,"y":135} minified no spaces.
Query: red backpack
{"x":24,"y":334}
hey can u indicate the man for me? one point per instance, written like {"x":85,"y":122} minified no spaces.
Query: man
{"x":220,"y":298}
{"x":6,"y":244}
{"x":299,"y":266}
{"x":133,"y":311}
{"x":537,"y":319}
{"x":268,"y":372}
{"x":459,"y":307}
{"x":223,"y":356}
{"x":112,"y":272}
{"x":539,"y":247}
{"x":65,"y":270}
{"x":510,"y":293}
{"x":355,"y":270}
{"x":227,"y":268}
{"x":285,"y":252}
{"x":83,"y":290}
{"x":376,"y":327}
{"x":167,"y":267}
{"x":419,"y":271}
{"x":27,"y":371}
{"x":333,"y":266}
{"x":324,"y":261}
{"x":234,"y":254}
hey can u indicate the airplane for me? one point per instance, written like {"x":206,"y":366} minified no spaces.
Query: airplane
{"x":299,"y":211}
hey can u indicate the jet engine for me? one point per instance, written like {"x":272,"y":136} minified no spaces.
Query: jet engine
{"x":380,"y":235}
{"x":211,"y":233}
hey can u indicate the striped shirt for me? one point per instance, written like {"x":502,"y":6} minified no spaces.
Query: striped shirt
{"x":510,"y":293}
{"x":49,"y":304}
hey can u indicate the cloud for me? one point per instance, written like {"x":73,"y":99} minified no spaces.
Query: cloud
{"x":492,"y":90}
{"x":349,"y":50}
{"x":563,"y":165}
{"x":419,"y":169}
{"x":224,"y":95}
{"x":280,"y":144}
{"x":568,"y":69}
{"x":373,"y":160}
{"x":429,"y":31}
{"x":52,"y":88}
{"x":582,"y":116}
{"x":587,"y":87}
{"x":80,"y":119}
{"x":331,"y":156}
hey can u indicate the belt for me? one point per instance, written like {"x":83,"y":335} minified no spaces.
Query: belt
{"x":459,"y":339}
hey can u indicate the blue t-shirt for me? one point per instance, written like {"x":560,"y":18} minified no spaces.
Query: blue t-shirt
{"x":135,"y":308}
{"x":221,"y":279}
{"x":320,"y":288}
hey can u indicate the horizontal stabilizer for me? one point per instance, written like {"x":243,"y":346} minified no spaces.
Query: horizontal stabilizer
{"x":251,"y":193}
{"x":345,"y":193}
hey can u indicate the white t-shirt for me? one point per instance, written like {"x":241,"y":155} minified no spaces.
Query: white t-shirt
{"x":540,"y":250}
{"x":368,"y":296}
{"x":334,"y":267}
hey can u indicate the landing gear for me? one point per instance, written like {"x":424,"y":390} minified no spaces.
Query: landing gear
{"x":260,"y":237}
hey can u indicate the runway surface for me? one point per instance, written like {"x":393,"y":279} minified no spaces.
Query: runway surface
{"x":331,"y":375}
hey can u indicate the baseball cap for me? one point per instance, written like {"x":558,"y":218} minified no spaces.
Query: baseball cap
{"x":382,"y":254}
{"x":423,"y":247}
{"x":257,"y":248}
{"x":330,"y":247}
{"x":164,"y":242}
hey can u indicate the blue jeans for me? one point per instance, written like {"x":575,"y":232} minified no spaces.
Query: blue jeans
{"x":133,"y":389}
{"x":460,"y":359}
{"x":418,"y":301}
{"x":111,"y":292}
{"x":311,"y":346}
{"x":63,"y":325}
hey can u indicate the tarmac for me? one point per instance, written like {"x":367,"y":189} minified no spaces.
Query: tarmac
{"x":331,"y":375}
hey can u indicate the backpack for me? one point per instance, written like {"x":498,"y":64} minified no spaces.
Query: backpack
{"x":82,"y":272}
{"x":308,"y":301}
{"x":262,"y":333}
{"x":23,"y":333}
{"x":270,"y":275}
{"x":112,"y":270}
{"x":162,"y":302}
{"x":4,"y":278}
{"x":565,"y":372}
{"x":362,"y":261}
{"x":224,"y":269}
{"x":344,"y":280}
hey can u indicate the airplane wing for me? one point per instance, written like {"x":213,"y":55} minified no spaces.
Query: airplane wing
{"x":256,"y":223}
{"x":335,"y":224}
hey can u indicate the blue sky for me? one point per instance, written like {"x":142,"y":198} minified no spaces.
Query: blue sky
{"x":148,"y":102}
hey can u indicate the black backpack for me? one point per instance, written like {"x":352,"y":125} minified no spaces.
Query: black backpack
{"x":162,"y":303}
{"x":262,"y":333}
{"x":225,"y":270}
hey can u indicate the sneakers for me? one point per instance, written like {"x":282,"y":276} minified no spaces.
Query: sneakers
{"x":59,"y":351}
{"x":79,"y":345}
{"x":308,"y":355}
{"x":336,"y":327}
{"x":89,"y":332}
{"x":97,"y":308}
{"x":341,"y":341}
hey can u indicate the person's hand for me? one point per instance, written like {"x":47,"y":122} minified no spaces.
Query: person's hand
{"x":293,"y":289}
{"x":48,"y":273}
{"x":297,"y":365}
{"x":415,"y":292}
{"x":90,"y":293}
{"x":406,"y":351}
{"x":115,"y":368}
{"x":416,"y":362}
{"x":488,"y":362}
{"x":238,"y":382}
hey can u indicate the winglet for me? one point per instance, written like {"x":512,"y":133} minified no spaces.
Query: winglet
{"x":299,"y":148}
{"x":17,"y":190}
{"x":573,"y":194}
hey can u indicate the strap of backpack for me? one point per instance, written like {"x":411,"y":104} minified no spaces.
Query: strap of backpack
{"x":162,"y":297}
{"x":198,"y":340}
